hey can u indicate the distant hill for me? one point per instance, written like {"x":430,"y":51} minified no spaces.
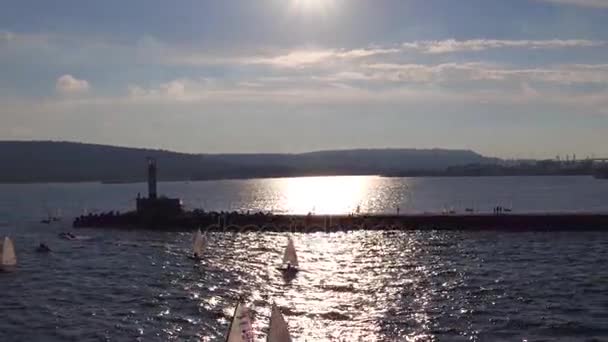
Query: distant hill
{"x":47,"y":161}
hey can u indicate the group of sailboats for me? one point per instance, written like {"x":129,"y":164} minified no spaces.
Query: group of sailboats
{"x":9,"y":259}
{"x":288,"y":266}
{"x":241,"y":328}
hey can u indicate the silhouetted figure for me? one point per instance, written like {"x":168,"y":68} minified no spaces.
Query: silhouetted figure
{"x":67,"y":236}
{"x":42,"y":248}
{"x":289,"y":272}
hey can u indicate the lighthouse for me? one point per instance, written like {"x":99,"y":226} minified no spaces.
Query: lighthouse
{"x":152,"y":178}
{"x":157,"y":208}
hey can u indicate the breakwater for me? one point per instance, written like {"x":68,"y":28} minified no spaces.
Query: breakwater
{"x":243,"y":222}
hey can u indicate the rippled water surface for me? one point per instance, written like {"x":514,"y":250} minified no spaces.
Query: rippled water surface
{"x":118,"y":285}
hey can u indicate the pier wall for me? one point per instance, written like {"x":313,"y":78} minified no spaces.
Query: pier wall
{"x":235,"y":222}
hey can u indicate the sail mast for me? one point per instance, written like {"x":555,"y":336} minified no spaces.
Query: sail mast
{"x":240,"y":327}
{"x":232,"y":322}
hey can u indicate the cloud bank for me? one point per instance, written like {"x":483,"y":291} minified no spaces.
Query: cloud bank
{"x":452,"y":45}
{"x":581,"y":3}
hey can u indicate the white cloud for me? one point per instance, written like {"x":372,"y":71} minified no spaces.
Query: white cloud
{"x":381,"y":81}
{"x":76,"y":50}
{"x":250,"y":84}
{"x":316,"y":57}
{"x":300,"y":58}
{"x":305,"y":58}
{"x":174,"y":89}
{"x":582,"y":3}
{"x":310,"y":57}
{"x":345,"y":76}
{"x":452,"y":45}
{"x":457,"y":82}
{"x":68,"y":84}
{"x":182,"y":89}
{"x":287,"y":59}
{"x":568,"y":74}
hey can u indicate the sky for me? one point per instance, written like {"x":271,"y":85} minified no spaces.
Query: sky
{"x":512,"y":79}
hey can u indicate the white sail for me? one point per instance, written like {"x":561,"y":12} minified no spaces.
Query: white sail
{"x":278,"y":330}
{"x":240,"y":328}
{"x":8,"y":253}
{"x":198,"y":244}
{"x":290,"y":257}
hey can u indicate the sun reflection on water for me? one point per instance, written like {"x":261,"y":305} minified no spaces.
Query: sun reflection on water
{"x":323,"y":195}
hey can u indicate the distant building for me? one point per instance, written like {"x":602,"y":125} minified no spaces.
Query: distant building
{"x":154,"y":206}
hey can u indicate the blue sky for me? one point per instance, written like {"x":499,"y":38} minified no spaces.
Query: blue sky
{"x":517,"y":78}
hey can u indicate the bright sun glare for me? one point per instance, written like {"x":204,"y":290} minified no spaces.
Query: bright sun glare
{"x":312,"y":5}
{"x":323,"y":195}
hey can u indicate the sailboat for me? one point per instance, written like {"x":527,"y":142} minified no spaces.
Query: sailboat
{"x":198,"y":245}
{"x":57,"y":216}
{"x":290,"y":258}
{"x":240,"y":327}
{"x":9,"y":259}
{"x":47,"y":220}
{"x":278,"y":330}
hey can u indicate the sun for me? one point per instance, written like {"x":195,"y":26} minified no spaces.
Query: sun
{"x":312,"y":5}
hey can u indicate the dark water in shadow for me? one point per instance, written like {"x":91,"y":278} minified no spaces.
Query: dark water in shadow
{"x":384,"y":286}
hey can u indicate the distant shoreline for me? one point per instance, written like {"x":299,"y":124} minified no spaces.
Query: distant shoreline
{"x":67,"y":162}
{"x":435,"y":175}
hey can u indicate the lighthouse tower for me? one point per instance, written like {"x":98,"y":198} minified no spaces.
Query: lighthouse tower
{"x":152,"y":178}
{"x":155,"y":207}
